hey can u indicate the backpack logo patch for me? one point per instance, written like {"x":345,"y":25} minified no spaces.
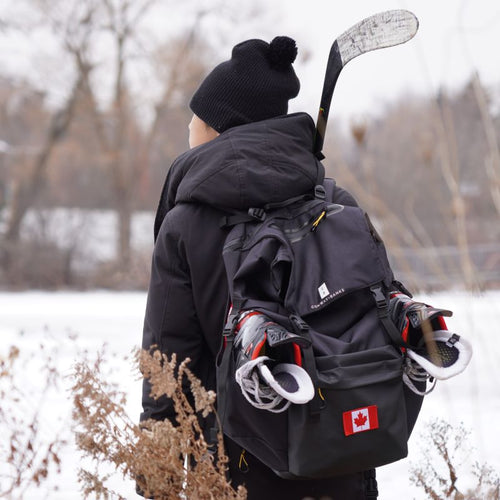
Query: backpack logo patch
{"x":361,"y":419}
{"x":323,"y":291}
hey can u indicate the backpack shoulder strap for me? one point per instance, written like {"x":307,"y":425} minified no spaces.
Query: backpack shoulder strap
{"x":252,"y":215}
{"x":260,"y":214}
{"x":329,"y":185}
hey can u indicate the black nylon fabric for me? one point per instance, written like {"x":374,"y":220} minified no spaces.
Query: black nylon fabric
{"x":319,"y":261}
{"x":342,"y":250}
{"x":247,"y":166}
{"x":188,"y":291}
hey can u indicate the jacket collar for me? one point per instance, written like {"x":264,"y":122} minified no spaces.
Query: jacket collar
{"x":248,"y":166}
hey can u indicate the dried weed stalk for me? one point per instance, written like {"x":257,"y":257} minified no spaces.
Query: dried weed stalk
{"x":167,"y":461}
{"x":445,"y":453}
{"x":26,"y":455}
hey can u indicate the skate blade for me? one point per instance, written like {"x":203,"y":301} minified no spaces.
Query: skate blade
{"x":450,"y":357}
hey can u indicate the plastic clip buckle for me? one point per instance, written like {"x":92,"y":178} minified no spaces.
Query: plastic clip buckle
{"x":257,"y":213}
{"x":319,"y":192}
{"x":300,"y":325}
{"x":379,"y":297}
{"x":230,"y":325}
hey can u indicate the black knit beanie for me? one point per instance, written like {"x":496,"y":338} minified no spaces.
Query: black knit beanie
{"x":255,"y":84}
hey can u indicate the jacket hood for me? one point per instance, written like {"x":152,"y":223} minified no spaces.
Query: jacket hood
{"x":248,"y":166}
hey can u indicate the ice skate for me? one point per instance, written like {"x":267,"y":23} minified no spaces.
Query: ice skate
{"x":268,"y":363}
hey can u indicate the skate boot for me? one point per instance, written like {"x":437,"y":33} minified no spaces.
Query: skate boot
{"x":432,"y":351}
{"x":268,"y":363}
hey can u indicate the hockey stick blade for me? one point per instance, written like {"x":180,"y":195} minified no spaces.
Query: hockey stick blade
{"x":385,"y":29}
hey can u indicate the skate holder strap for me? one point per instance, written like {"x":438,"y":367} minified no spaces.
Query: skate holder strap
{"x":383,"y":314}
{"x":309,"y":364}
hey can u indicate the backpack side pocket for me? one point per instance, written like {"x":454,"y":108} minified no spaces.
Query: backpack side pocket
{"x":362,"y":424}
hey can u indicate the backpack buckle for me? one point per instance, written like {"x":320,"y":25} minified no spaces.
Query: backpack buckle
{"x":299,"y":324}
{"x":257,"y":213}
{"x":319,"y":192}
{"x":231,"y":322}
{"x":378,"y":295}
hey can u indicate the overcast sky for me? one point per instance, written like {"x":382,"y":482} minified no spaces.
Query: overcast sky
{"x":455,"y":38}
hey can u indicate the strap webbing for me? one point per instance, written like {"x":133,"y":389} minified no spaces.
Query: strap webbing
{"x":329,"y":189}
{"x":223,"y":377}
{"x":371,"y":487}
{"x":383,"y":315}
{"x":288,"y":202}
{"x":233,"y":220}
{"x":302,"y":328}
{"x":224,"y":357}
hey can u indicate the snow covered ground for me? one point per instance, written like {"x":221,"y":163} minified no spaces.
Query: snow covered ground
{"x":93,"y":318}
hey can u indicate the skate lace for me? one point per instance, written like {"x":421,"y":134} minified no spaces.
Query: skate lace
{"x":413,"y":372}
{"x":256,"y":392}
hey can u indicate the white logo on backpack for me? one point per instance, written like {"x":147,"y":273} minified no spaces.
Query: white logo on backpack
{"x":323,"y":291}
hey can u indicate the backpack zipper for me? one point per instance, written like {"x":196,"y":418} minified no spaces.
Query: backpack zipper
{"x":295,"y":235}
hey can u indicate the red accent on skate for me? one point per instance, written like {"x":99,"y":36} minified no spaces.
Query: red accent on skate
{"x":297,"y":355}
{"x":258,"y":347}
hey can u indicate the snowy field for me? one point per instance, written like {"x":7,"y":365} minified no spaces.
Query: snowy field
{"x":94,"y":318}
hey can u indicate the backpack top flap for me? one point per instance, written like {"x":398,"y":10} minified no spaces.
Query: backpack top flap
{"x":341,"y":255}
{"x":303,"y":258}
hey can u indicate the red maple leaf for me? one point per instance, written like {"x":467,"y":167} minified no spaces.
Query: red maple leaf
{"x":360,"y":420}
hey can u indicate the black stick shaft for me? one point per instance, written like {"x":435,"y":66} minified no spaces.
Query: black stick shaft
{"x":385,"y":29}
{"x":331,"y":77}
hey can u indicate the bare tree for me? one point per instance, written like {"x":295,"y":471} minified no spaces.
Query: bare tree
{"x":27,"y":189}
{"x":126,"y":148}
{"x":25,"y":194}
{"x":417,"y":169}
{"x":492,"y":159}
{"x":450,"y":168}
{"x":81,"y":29}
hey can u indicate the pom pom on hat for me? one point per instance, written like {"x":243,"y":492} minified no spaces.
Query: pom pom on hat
{"x":255,"y":84}
{"x":282,"y":52}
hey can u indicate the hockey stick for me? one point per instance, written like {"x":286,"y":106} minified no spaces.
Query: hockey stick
{"x":385,"y":29}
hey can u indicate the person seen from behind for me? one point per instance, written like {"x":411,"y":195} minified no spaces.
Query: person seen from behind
{"x":245,"y":151}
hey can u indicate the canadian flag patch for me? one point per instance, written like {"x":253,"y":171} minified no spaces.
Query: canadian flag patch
{"x":361,"y":419}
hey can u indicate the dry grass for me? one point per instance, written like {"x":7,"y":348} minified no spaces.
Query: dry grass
{"x":155,"y":453}
{"x":445,"y":456}
{"x":27,"y":455}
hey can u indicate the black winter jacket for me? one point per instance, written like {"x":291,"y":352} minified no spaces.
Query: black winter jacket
{"x":247,"y":166}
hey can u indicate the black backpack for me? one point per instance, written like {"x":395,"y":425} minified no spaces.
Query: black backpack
{"x":320,"y":270}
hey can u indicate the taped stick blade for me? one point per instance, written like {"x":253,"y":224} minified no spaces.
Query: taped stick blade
{"x":385,"y":29}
